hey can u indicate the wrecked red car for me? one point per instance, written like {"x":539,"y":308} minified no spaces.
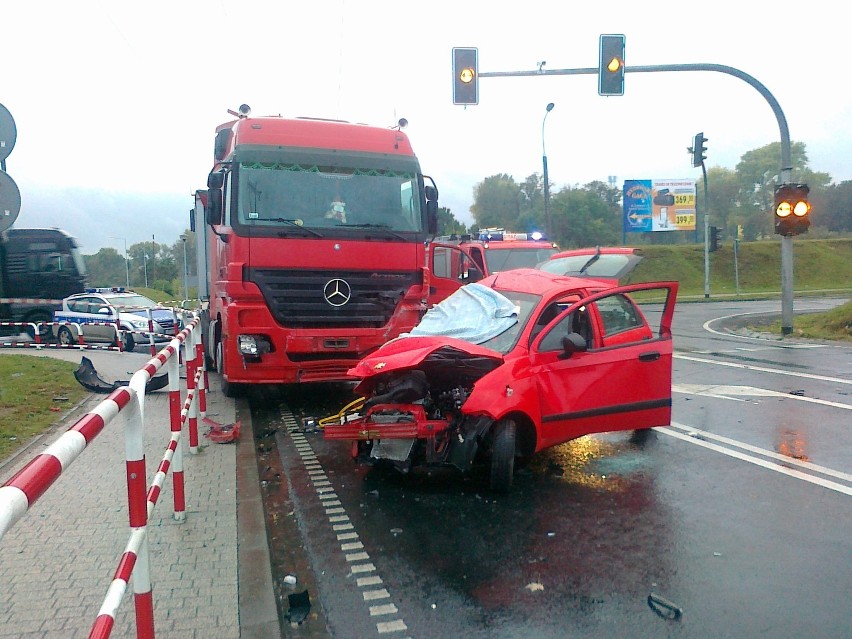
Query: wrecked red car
{"x":506,"y":367}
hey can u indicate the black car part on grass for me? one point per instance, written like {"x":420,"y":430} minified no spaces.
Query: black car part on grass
{"x":88,"y":377}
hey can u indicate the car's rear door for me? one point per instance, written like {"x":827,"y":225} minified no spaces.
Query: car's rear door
{"x":622,"y":381}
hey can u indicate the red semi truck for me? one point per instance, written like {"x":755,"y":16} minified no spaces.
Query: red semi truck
{"x":311,"y":247}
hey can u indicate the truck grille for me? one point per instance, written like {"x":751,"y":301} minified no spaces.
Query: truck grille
{"x":332,"y":299}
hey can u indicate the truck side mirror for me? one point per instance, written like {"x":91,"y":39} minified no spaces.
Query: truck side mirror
{"x":213,"y":209}
{"x":432,"y":217}
{"x":215,"y":180}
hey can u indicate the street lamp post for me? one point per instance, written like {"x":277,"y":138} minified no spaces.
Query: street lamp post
{"x":145,"y":255}
{"x":185,"y":276}
{"x":549,"y":108}
{"x":126,"y":259}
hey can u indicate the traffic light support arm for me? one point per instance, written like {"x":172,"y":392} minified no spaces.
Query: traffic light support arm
{"x":786,"y":155}
{"x":786,"y":161}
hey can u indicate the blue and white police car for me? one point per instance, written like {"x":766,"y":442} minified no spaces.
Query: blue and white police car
{"x":102,"y":312}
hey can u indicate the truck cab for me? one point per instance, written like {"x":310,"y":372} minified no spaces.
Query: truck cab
{"x":38,"y":268}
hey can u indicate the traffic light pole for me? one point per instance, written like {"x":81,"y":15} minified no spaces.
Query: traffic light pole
{"x":706,"y":235}
{"x":786,"y":162}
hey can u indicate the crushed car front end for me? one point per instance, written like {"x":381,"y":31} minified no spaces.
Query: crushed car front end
{"x":412,"y":414}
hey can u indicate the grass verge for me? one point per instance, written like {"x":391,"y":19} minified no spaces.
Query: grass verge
{"x":835,"y":324}
{"x":34,"y":392}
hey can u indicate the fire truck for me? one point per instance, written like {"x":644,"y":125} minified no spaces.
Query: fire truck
{"x":456,"y":260}
{"x":313,"y":236}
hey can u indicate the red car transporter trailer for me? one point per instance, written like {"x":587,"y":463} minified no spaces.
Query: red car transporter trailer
{"x":311,"y":247}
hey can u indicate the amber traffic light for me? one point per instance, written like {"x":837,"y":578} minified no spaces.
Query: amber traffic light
{"x":611,"y":65}
{"x":465,"y":75}
{"x":792,"y":209}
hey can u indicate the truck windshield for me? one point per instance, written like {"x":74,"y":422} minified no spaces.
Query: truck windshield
{"x":78,"y":260}
{"x":318,"y":197}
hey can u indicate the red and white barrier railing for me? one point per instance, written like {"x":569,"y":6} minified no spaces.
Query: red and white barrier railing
{"x":39,"y":332}
{"x":20,"y":492}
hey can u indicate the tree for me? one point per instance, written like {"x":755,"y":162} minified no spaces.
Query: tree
{"x":143,"y":259}
{"x":448,"y":224}
{"x":609,"y":194}
{"x":497,"y":202}
{"x":832,"y":207}
{"x":106,"y":268}
{"x":581,"y":217}
{"x":723,"y":203}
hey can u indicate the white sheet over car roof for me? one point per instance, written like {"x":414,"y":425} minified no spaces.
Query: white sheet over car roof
{"x":474,"y":313}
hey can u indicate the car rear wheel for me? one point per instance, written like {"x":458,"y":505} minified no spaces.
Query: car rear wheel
{"x":129,"y":342}
{"x":503,"y":455}
{"x":65,"y":336}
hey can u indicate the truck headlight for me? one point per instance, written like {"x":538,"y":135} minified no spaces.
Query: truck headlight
{"x":254,"y":345}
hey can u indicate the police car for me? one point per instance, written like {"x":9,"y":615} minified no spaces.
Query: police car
{"x":101,"y":310}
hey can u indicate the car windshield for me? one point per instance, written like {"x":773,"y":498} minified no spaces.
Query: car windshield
{"x":322,"y":197}
{"x":130,"y":301}
{"x":526,"y":304}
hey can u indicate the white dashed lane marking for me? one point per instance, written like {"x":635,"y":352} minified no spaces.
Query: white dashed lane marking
{"x":352,"y":548}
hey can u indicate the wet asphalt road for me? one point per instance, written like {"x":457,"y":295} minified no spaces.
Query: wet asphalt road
{"x":738,"y":514}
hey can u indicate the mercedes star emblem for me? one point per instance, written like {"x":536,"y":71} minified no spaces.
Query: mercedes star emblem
{"x":337,"y":292}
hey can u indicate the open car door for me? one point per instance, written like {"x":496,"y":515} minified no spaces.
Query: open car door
{"x":605,"y":365}
{"x":451,"y":268}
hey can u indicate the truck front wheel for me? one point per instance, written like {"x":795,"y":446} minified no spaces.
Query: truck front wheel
{"x":229,"y":389}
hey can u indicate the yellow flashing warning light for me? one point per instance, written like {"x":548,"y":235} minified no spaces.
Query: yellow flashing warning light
{"x":801,"y":208}
{"x":614,"y":65}
{"x":467,"y":75}
{"x":792,"y":209}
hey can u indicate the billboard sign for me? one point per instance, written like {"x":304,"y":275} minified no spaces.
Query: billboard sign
{"x":659,"y":205}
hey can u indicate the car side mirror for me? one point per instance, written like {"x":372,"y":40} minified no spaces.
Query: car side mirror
{"x":104,"y":310}
{"x":573,"y":343}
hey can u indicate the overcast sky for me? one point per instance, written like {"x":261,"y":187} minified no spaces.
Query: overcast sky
{"x":116,"y":103}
